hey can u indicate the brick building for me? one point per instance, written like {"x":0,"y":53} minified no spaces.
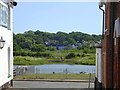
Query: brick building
{"x":111,"y":46}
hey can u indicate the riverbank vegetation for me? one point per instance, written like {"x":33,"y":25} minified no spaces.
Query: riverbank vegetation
{"x":36,"y":48}
{"x":55,"y":57}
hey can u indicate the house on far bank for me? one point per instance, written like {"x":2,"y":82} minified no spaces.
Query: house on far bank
{"x":6,"y":43}
{"x":60,"y":47}
{"x":108,"y":55}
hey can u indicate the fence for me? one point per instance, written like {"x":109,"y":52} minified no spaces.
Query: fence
{"x":35,"y":73}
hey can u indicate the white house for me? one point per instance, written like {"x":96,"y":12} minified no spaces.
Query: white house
{"x":6,"y":42}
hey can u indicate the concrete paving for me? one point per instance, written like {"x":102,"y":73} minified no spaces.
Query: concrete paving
{"x":41,"y":84}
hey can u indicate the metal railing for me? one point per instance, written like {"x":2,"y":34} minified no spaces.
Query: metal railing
{"x":35,"y":73}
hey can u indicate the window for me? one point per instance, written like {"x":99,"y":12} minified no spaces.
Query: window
{"x":0,"y":13}
{"x":4,"y":16}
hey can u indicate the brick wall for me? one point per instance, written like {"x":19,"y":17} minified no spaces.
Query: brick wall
{"x":106,"y":57}
{"x":111,"y":66}
{"x":117,"y":63}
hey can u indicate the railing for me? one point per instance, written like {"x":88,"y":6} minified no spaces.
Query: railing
{"x":30,"y":73}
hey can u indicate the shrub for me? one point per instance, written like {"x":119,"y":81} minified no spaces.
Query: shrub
{"x":71,"y":55}
{"x":86,"y":50}
{"x":51,"y":48}
{"x":38,"y":48}
{"x":78,"y":55}
{"x":32,"y":54}
{"x":82,"y":55}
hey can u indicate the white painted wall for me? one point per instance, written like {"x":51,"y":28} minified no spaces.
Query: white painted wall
{"x":99,"y":64}
{"x":8,"y":37}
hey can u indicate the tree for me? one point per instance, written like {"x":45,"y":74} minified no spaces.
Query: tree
{"x":71,"y":41}
{"x":80,"y":47}
{"x":16,"y":46}
{"x":69,"y":47}
{"x":51,"y":48}
{"x":28,"y":39}
{"x":38,"y":48}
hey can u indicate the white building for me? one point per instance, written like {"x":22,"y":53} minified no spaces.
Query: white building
{"x":6,"y":42}
{"x":98,"y":78}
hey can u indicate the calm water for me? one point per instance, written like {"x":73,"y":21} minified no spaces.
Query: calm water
{"x":58,"y":68}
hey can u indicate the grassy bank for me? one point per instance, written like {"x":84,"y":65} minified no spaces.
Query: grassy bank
{"x":83,"y":76}
{"x":26,"y":60}
{"x":58,"y":57}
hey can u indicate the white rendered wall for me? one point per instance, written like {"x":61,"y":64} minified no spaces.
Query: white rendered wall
{"x":99,"y":64}
{"x":8,"y":37}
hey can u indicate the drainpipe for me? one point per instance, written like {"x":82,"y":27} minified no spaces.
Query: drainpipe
{"x":112,"y":22}
{"x":100,"y":5}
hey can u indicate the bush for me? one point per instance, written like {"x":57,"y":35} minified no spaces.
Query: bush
{"x":20,"y":53}
{"x":78,"y":55}
{"x":82,"y":55}
{"x":71,"y":55}
{"x":32,"y":54}
{"x":86,"y":50}
{"x":39,"y":54}
{"x":51,"y":48}
{"x":38,"y":48}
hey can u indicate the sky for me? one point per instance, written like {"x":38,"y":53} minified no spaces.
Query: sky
{"x":52,"y":17}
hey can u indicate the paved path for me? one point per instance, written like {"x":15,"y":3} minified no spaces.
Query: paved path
{"x":40,"y":84}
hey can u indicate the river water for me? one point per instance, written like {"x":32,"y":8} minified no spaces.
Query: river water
{"x":57,"y":68}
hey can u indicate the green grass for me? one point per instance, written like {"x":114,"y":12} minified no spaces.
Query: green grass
{"x":26,"y":60}
{"x":58,"y":57}
{"x":83,"y":76}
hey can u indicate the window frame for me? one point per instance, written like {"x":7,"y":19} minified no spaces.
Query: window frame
{"x":5,"y":16}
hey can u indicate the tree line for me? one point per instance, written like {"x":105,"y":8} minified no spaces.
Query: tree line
{"x":39,"y":41}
